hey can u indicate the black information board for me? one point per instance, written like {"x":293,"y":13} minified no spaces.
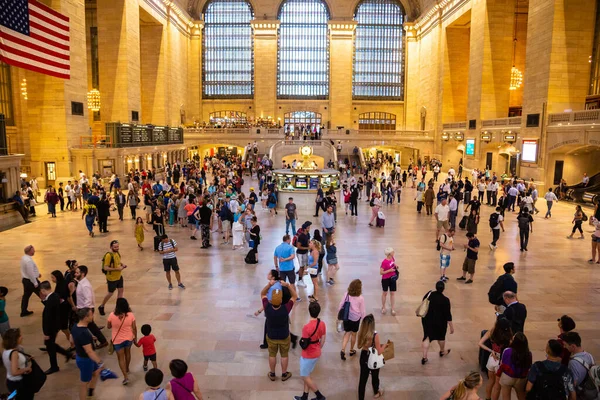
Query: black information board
{"x":125,"y":135}
{"x":175,"y":135}
{"x":159,"y":134}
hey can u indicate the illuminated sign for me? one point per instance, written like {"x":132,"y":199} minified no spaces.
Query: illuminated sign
{"x":529,"y":152}
{"x":470,"y":147}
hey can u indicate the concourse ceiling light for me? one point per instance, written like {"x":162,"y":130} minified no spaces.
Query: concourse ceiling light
{"x":516,"y":76}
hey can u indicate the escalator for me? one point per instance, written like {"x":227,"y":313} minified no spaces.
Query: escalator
{"x":581,"y":193}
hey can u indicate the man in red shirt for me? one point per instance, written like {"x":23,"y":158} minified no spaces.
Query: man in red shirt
{"x":315,"y":332}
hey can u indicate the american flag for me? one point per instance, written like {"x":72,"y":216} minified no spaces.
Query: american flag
{"x":35,"y":37}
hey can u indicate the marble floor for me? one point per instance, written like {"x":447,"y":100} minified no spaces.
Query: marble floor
{"x":210,"y":326}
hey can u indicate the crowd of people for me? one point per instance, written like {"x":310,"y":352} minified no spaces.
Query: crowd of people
{"x":209,"y":197}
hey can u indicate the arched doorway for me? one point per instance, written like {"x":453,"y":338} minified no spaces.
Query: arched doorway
{"x":298,"y":120}
{"x":228,"y":118}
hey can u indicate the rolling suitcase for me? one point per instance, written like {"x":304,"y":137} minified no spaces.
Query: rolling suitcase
{"x":251,"y":257}
{"x":463,"y":222}
{"x":380,"y":222}
{"x":158,"y":238}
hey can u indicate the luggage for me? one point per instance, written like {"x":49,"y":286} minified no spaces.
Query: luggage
{"x":251,"y":257}
{"x":380,"y":222}
{"x":157,"y":240}
{"x":463,"y":222}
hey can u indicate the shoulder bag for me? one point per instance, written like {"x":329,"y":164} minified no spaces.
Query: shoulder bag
{"x":305,"y":342}
{"x":35,"y":380}
{"x":344,"y":312}
{"x":424,"y":306}
{"x":111,"y":346}
{"x":376,"y":360}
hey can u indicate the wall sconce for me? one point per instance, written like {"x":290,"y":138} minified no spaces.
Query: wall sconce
{"x":149,"y":158}
{"x":164,"y":155}
{"x":24,"y":88}
{"x":445,"y":136}
{"x":486,"y":137}
{"x":93,"y":99}
{"x":459,"y":136}
{"x":129,"y":161}
{"x":137,"y":160}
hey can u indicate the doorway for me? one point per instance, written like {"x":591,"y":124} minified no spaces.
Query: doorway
{"x":558,"y":171}
{"x":50,"y":173}
{"x":488,"y":160}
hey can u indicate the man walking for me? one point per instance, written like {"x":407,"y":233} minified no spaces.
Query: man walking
{"x":302,"y":250}
{"x":354,"y":193}
{"x":441,"y":215}
{"x":290,"y":216}
{"x":88,"y":362}
{"x":525,"y":221}
{"x":328,"y":223}
{"x":205,"y":217}
{"x":113,"y":267}
{"x":30,"y":278}
{"x":85,"y":299}
{"x":550,"y":199}
{"x":50,"y":326}
{"x":446,"y":247}
{"x":120,"y":201}
{"x":316,"y":332}
{"x":495,"y":225}
{"x":472,"y":249}
{"x":319,"y":201}
{"x":167,"y":248}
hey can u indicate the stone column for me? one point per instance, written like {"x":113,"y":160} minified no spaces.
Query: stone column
{"x":340,"y":88}
{"x":411,"y":85}
{"x":152,"y":73}
{"x":265,"y":67}
{"x":119,"y":59}
{"x":194,"y":87}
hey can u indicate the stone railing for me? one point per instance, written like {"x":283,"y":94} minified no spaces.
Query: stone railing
{"x":455,"y":125}
{"x":574,"y":118}
{"x":512,"y":122}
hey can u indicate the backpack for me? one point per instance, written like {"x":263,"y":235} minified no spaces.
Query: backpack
{"x":496,"y":290}
{"x":494,"y":217}
{"x":92,"y":211}
{"x":588,"y":389}
{"x":112,"y":261}
{"x":523,"y":222}
{"x":439,"y":246}
{"x":548,"y":385}
{"x":305,"y":342}
{"x":162,"y":245}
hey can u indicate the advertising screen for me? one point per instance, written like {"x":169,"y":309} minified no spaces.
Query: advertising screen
{"x":529,"y":153}
{"x":470,"y":147}
{"x":301,"y":183}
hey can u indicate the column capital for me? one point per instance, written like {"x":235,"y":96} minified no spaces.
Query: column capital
{"x":411,"y":31}
{"x":265,"y":28}
{"x":196,"y":27}
{"x":342,"y":29}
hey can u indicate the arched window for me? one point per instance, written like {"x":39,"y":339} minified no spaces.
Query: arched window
{"x":379,"y":50}
{"x":228,"y":62}
{"x":379,"y":121}
{"x":226,"y":117}
{"x":303,"y":56}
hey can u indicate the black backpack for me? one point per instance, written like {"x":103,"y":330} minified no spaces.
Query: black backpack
{"x":496,"y":290}
{"x":494,"y":217}
{"x":372,"y":202}
{"x":523,"y":222}
{"x":548,"y":385}
{"x":112,"y":262}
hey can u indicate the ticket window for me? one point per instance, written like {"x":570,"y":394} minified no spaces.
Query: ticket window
{"x":106,"y":168}
{"x":50,"y":173}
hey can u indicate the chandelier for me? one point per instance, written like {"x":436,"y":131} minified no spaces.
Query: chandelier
{"x":516,"y":78}
{"x":93,"y":99}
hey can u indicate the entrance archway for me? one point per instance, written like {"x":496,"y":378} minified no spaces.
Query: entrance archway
{"x":296,"y":120}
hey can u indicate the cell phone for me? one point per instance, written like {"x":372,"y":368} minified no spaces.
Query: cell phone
{"x":13,"y":395}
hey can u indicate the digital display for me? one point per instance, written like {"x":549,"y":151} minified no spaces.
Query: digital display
{"x":301,"y":183}
{"x":529,"y":153}
{"x":470,"y":147}
{"x":314,"y":183}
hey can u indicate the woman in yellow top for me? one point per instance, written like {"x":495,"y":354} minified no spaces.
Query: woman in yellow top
{"x":140,"y":227}
{"x":90,"y":213}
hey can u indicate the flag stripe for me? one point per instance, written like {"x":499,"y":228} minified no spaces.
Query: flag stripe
{"x":35,"y":66}
{"x":48,"y":31}
{"x":40,"y":45}
{"x":43,"y":7}
{"x":43,"y":20}
{"x":44,"y":39}
{"x":12,"y":40}
{"x":35,"y":57}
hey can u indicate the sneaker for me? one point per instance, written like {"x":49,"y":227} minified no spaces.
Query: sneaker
{"x":125,"y":382}
{"x":298,"y":300}
{"x":26,"y":313}
{"x":301,"y":284}
{"x":591,"y":261}
{"x":264,"y":346}
{"x":491,"y":246}
{"x":462,"y":278}
{"x":286,"y":376}
{"x":181,"y":286}
{"x":469,"y":281}
{"x":170,"y":287}
{"x":145,"y":368}
{"x":101,"y":310}
{"x":193,"y":238}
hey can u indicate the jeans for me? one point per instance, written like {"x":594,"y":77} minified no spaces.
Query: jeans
{"x":511,"y":202}
{"x":52,"y":209}
{"x":318,"y":205}
{"x":495,"y":236}
{"x":524,"y":237}
{"x":89,"y":223}
{"x":120,"y":210}
{"x":52,"y":348}
{"x":133,"y":209}
{"x":549,"y":204}
{"x":28,"y":290}
{"x":452,"y":218}
{"x":480,"y":197}
{"x":419,"y":206}
{"x":288,"y":222}
{"x":364,"y":376}
{"x":494,"y":198}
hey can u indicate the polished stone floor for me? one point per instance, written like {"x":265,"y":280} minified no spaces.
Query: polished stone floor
{"x":209,"y":324}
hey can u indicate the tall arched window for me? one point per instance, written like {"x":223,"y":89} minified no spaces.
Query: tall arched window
{"x":303,"y":56}
{"x":228,"y":62}
{"x":379,"y":50}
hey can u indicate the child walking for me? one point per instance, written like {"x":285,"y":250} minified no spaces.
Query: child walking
{"x":154,"y":379}
{"x":148,"y":348}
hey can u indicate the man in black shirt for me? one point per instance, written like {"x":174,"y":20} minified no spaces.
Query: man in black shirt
{"x":205,"y":215}
{"x":88,"y":362}
{"x":515,"y":312}
{"x":302,"y":250}
{"x":472,"y":249}
{"x":468,"y":190}
{"x":50,"y":326}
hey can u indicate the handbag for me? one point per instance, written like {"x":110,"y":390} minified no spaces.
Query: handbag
{"x":424,"y":306}
{"x":376,"y":360}
{"x":396,"y":274}
{"x":340,"y":326}
{"x":305,"y":342}
{"x":344,"y":312}
{"x":111,"y":346}
{"x":35,"y":380}
{"x":492,"y":364}
{"x":389,"y":353}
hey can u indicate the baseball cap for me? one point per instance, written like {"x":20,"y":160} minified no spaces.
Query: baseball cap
{"x":276,"y":297}
{"x":567,"y":324}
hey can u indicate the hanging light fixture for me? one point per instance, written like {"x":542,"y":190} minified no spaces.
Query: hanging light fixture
{"x":93,"y":99}
{"x":516,"y":76}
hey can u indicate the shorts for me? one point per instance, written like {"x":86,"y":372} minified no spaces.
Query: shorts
{"x":518,"y":383}
{"x":114,"y":285}
{"x":307,"y":365}
{"x":302,"y":259}
{"x":191,"y":220}
{"x":282,"y":346}
{"x":595,"y":239}
{"x":469,"y":265}
{"x":226,"y":224}
{"x":290,"y":275}
{"x":388,"y":284}
{"x":351,"y":326}
{"x":123,"y":345}
{"x":332,"y":261}
{"x":443,"y":224}
{"x":86,"y":366}
{"x":444,"y":260}
{"x":170,"y":263}
{"x":151,"y":357}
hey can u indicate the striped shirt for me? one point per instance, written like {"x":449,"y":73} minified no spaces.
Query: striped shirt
{"x":168,"y":249}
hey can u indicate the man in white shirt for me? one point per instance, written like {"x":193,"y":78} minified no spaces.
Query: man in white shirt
{"x":30,"y":278}
{"x":550,"y":199}
{"x":436,"y":171}
{"x":86,"y":299}
{"x":496,"y":227}
{"x":442,"y":212}
{"x":534,"y":197}
{"x":586,"y":179}
{"x":513,"y":192}
{"x":233,"y":204}
{"x":451,"y":173}
{"x":494,"y":188}
{"x":475,"y":175}
{"x":453,"y":207}
{"x":68,"y":195}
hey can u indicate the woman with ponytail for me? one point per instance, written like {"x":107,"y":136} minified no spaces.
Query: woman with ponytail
{"x":466,"y":388}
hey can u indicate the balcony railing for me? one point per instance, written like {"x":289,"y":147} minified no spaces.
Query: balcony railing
{"x":574,"y":118}
{"x":325,"y":133}
{"x":513,"y":122}
{"x":455,"y":125}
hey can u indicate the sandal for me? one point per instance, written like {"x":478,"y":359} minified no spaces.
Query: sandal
{"x":442,"y":353}
{"x":379,"y":394}
{"x":352,"y":353}
{"x":383,"y":311}
{"x":343,"y":355}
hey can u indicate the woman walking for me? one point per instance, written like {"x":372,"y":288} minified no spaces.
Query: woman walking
{"x":387,"y":271}
{"x":124,"y":333}
{"x":514,"y":366}
{"x":317,"y":236}
{"x":436,"y":322}
{"x":357,"y":312}
{"x":466,"y":389}
{"x":595,"y":241}
{"x":577,"y":222}
{"x":16,"y":363}
{"x":314,"y":248}
{"x":255,"y":235}
{"x":51,"y":199}
{"x":140,"y":228}
{"x":375,"y":206}
{"x":499,"y":336}
{"x":473,"y":221}
{"x":132,"y":201}
{"x":368,"y":337}
{"x":331,"y":258}
{"x":61,"y":288}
